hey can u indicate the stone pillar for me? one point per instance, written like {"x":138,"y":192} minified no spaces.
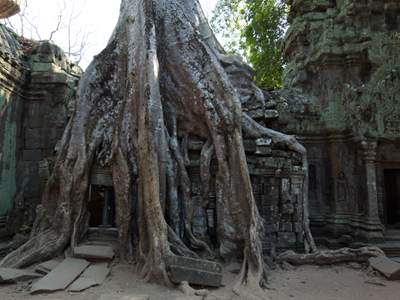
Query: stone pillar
{"x":339,"y":218}
{"x":106,"y":222}
{"x":8,"y":8}
{"x":372,"y":229}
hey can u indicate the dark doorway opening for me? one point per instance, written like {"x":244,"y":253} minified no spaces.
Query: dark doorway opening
{"x":102,"y":206}
{"x":392,"y":195}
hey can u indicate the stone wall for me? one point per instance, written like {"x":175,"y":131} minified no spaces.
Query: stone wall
{"x":37,"y":85}
{"x":13,"y":73}
{"x":48,"y":103}
{"x":341,"y":96}
{"x":277,"y":177}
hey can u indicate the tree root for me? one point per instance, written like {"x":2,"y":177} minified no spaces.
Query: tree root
{"x":309,"y":243}
{"x":178,"y":247}
{"x":188,"y":291}
{"x":158,"y":82}
{"x":330,"y":257}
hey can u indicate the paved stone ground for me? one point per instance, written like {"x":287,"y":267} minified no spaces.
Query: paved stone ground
{"x":303,"y":283}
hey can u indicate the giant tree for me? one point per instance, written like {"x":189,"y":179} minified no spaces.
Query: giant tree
{"x":160,"y":80}
{"x":256,"y":29}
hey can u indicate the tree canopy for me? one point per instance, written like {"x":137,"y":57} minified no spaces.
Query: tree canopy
{"x":255,"y":29}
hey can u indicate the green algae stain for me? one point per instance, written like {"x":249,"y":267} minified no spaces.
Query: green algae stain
{"x":8,"y":161}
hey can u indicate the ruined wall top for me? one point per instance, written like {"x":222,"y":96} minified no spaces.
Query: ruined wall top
{"x":10,"y":48}
{"x":9,"y":8}
{"x":343,"y":56}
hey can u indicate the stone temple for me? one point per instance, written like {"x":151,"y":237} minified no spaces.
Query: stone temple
{"x":340,"y":99}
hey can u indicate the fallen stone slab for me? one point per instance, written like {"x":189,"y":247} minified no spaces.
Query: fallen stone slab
{"x":126,"y":297}
{"x":61,"y":277}
{"x":46,"y":267}
{"x":194,"y":271}
{"x":94,"y":252}
{"x":194,"y":276}
{"x":9,"y":275}
{"x":195,"y":263}
{"x":94,"y":275}
{"x":375,"y":282}
{"x":387,"y":267}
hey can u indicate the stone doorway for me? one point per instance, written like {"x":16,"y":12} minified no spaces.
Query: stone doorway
{"x":392,"y":198}
{"x":101,"y":206}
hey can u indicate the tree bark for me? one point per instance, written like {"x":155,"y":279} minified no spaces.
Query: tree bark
{"x":160,"y":80}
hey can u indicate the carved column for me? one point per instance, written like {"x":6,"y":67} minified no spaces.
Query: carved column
{"x":373,"y":227}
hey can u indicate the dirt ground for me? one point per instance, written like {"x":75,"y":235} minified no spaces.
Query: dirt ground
{"x":302,"y":283}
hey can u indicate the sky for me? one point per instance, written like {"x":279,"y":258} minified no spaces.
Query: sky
{"x":92,"y":21}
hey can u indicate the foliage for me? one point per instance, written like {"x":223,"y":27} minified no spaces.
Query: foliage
{"x":254,"y":29}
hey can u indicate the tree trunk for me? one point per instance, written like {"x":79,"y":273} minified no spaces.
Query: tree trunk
{"x":160,"y":80}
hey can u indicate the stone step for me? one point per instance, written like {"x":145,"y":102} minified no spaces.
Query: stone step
{"x":94,"y":252}
{"x":391,"y":248}
{"x":102,"y":234}
{"x":3,"y":222}
{"x":396,"y":259}
{"x":392,"y":235}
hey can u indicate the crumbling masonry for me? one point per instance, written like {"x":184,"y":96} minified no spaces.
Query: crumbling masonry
{"x":342,"y":99}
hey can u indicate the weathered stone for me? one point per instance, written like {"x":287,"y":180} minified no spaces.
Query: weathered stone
{"x":61,"y":277}
{"x":34,"y":101}
{"x":94,"y":252}
{"x":286,"y":238}
{"x":8,"y":275}
{"x":125,"y":297}
{"x":389,"y":268}
{"x":201,"y":264}
{"x":194,"y":276}
{"x":194,"y":271}
{"x":106,"y":235}
{"x":47,"y":267}
{"x":32,"y":155}
{"x":341,"y":99}
{"x":396,"y":259}
{"x":94,"y":275}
